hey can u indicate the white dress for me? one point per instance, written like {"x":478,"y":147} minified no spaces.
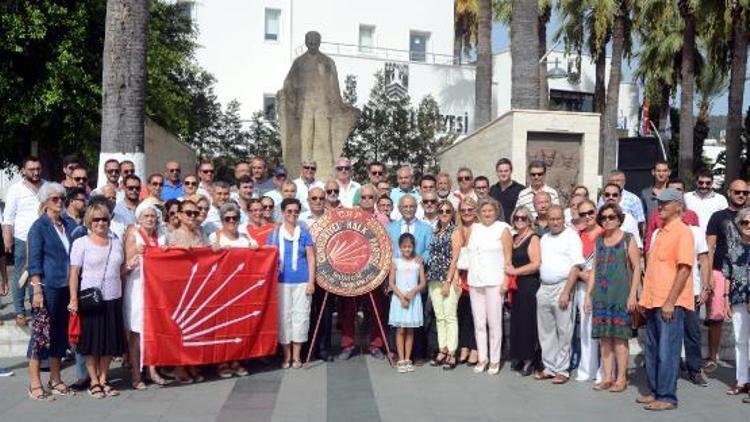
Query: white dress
{"x":486,"y":257}
{"x":133,"y":297}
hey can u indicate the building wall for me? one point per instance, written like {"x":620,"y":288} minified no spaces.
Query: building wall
{"x":161,"y":146}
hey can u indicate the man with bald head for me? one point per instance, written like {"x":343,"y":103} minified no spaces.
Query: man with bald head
{"x":316,"y":201}
{"x":429,"y":208}
{"x":347,"y":186}
{"x":720,"y":232}
{"x":542,"y":202}
{"x":172,"y":188}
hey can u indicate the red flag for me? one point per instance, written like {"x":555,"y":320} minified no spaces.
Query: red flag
{"x":205,"y":307}
{"x":646,"y":118}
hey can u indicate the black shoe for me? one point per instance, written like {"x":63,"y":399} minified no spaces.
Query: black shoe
{"x":698,"y":379}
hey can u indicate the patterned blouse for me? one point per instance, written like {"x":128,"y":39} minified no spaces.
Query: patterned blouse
{"x":440,"y":254}
{"x":736,"y":268}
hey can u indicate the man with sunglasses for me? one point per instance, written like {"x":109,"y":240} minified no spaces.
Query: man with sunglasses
{"x":21,"y":210}
{"x":80,"y":178}
{"x":128,"y":204}
{"x":75,"y":205}
{"x":305,"y":182}
{"x":375,"y":174}
{"x":206,"y":175}
{"x":629,"y":202}
{"x":316,"y":200}
{"x":654,"y":221}
{"x":611,"y":194}
{"x":537,"y":172}
{"x":112,"y":177}
{"x":69,"y":162}
{"x":703,"y":200}
{"x":721,"y":231}
{"x":172,"y":182}
{"x":332,"y":194}
{"x":429,"y":208}
{"x":506,"y":190}
{"x":347,"y":186}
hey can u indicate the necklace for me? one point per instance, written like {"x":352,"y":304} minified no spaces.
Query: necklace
{"x":517,"y":243}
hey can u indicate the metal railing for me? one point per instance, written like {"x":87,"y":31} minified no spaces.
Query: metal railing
{"x":380,"y":53}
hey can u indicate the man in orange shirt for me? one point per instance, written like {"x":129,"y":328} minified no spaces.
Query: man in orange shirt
{"x":665,"y":297}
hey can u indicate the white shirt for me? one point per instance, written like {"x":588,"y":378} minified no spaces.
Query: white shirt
{"x":242,"y":241}
{"x":629,"y":225}
{"x":277,"y":198}
{"x":346,"y":195}
{"x":526,"y":198}
{"x":559,"y":254}
{"x":118,"y":225}
{"x":486,"y":255}
{"x":705,"y":207}
{"x":21,"y":208}
{"x":303,"y":188}
{"x":213,"y":218}
{"x":126,"y":214}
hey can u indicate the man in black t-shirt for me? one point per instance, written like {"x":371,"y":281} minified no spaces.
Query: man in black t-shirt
{"x":506,"y":190}
{"x":720,"y":233}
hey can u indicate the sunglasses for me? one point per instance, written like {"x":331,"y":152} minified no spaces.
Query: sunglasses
{"x":708,"y":183}
{"x":231,"y":219}
{"x":367,"y":197}
{"x":292,"y":212}
{"x":520,"y":218}
{"x":309,"y":168}
{"x":80,"y":179}
{"x":133,"y":187}
{"x":332,"y":191}
{"x":536,"y":174}
{"x":744,"y":223}
{"x":741,"y":192}
{"x":429,"y":201}
{"x":586,"y":213}
{"x":267,"y":207}
{"x":203,"y":209}
{"x":343,"y":168}
{"x":154,"y":184}
{"x":173,"y":170}
{"x":467,"y":210}
{"x":172,"y":213}
{"x":100,"y":220}
{"x":611,"y":195}
{"x":191,"y":214}
{"x":376,"y":173}
{"x":207,"y":171}
{"x":127,"y":172}
{"x":55,"y":199}
{"x":446,"y":211}
{"x":317,"y":198}
{"x":464,"y":178}
{"x":608,"y":217}
{"x":113,"y":171}
{"x":188,"y":183}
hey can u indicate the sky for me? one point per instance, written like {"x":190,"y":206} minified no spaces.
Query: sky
{"x":501,"y":41}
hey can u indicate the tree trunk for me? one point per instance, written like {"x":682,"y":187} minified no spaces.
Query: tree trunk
{"x":483,"y":83}
{"x":543,"y":84}
{"x":124,"y":76}
{"x":600,"y":96}
{"x":736,"y":92}
{"x":664,"y":108}
{"x":613,"y":91}
{"x":524,"y":66}
{"x":687,"y":120}
{"x":458,"y":43}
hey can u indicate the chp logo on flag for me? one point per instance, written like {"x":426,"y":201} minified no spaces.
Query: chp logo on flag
{"x":206,"y":307}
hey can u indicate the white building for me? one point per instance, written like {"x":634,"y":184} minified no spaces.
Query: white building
{"x":249,"y":45}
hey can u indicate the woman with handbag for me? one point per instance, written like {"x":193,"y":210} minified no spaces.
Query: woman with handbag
{"x":526,"y":258}
{"x":460,"y":239}
{"x":49,"y":245}
{"x":611,"y":296}
{"x":98,"y":258}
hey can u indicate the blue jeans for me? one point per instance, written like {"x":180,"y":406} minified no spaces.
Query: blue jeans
{"x":19,"y":265}
{"x":662,"y":353}
{"x":692,"y":342}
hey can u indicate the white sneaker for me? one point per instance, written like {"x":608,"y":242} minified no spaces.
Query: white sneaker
{"x":409,"y":366}
{"x":480,"y":368}
{"x":5,"y":372}
{"x":495,"y":370}
{"x":401,"y":367}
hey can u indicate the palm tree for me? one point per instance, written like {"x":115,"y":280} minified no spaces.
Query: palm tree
{"x":525,"y":85}
{"x":712,"y":82}
{"x":545,"y":12}
{"x":124,"y":76}
{"x":483,"y":83}
{"x":738,"y":17}
{"x":465,"y":27}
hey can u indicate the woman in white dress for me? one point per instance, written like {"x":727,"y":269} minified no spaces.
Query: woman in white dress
{"x":490,"y":248}
{"x":147,"y":232}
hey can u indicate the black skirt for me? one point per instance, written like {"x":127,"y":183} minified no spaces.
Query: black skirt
{"x":524,"y":341}
{"x":103,"y":332}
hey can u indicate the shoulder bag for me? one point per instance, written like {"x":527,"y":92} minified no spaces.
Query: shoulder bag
{"x":92,"y":299}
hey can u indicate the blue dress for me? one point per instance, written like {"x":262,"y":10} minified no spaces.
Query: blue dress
{"x":407,"y":278}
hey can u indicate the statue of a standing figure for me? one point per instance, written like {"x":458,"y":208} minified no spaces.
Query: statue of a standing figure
{"x":313,"y":120}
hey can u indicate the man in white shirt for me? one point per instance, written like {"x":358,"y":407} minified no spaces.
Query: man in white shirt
{"x":704,"y":201}
{"x":21,"y":210}
{"x":316,"y":200}
{"x":206,"y":174}
{"x":537,"y":173}
{"x":429,"y":208}
{"x":112,"y":177}
{"x":220,"y":197}
{"x":561,"y":255}
{"x":611,"y":194}
{"x":306,"y":181}
{"x":347,"y":186}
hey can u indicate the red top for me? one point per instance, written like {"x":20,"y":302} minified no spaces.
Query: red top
{"x":689,"y":217}
{"x":260,"y":234}
{"x":589,"y":242}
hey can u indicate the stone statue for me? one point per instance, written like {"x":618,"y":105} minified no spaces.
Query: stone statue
{"x":313,"y":120}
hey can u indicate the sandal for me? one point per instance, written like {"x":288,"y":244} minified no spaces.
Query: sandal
{"x":286,"y":365}
{"x":619,"y":387}
{"x":739,"y":389}
{"x":240,"y":371}
{"x":543,"y":376}
{"x":224,"y":371}
{"x":60,"y":389}
{"x":449,"y":363}
{"x":109,"y":390}
{"x":140,"y":385}
{"x":44,"y":396}
{"x":710,"y":366}
{"x":439,"y":359}
{"x":297,"y":364}
{"x":604,"y":385}
{"x":96,"y":392}
{"x":560,"y":379}
{"x":658,"y":405}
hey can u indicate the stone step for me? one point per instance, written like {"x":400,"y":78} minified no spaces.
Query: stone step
{"x":14,"y":340}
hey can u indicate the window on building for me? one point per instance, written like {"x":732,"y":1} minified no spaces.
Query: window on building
{"x":269,"y":106}
{"x":366,"y":38}
{"x":273,"y":24}
{"x":418,"y":46}
{"x":571,"y":101}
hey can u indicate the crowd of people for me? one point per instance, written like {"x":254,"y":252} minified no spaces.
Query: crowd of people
{"x":575,"y":281}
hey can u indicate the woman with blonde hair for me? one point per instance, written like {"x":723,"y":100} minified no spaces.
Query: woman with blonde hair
{"x":466,"y":218}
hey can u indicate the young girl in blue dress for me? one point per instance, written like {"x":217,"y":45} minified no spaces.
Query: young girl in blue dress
{"x":407,"y":279}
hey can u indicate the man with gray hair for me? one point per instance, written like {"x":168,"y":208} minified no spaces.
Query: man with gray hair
{"x":307,"y":181}
{"x":629,"y":202}
{"x":537,"y":174}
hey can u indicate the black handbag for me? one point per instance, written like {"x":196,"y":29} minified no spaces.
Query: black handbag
{"x":92,"y":299}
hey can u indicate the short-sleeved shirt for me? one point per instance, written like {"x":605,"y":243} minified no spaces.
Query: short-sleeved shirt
{"x":560,"y":252}
{"x":720,"y":225}
{"x":96,"y":270}
{"x":441,"y":249}
{"x":706,"y":206}
{"x":287,"y":274}
{"x":629,"y":203}
{"x":673,"y":245}
{"x":526,"y":198}
{"x":506,"y":197}
{"x":737,"y":269}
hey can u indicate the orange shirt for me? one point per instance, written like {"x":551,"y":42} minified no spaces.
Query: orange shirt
{"x":672,"y":246}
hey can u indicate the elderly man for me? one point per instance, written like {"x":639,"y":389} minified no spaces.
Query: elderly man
{"x":542,"y":202}
{"x":612,"y":194}
{"x":561,"y":255}
{"x":422,"y":232}
{"x":429,"y":208}
{"x":332,"y":194}
{"x":347,"y":186}
{"x":482,"y":187}
{"x":443,"y":186}
{"x":348,"y":306}
{"x":405,"y":186}
{"x":654,"y":221}
{"x":629,"y":202}
{"x":172,"y":183}
{"x":306,"y":181}
{"x":537,"y":173}
{"x":206,"y":173}
{"x":316,"y":200}
{"x":212,"y":223}
{"x":21,"y":210}
{"x":375,"y":174}
{"x":666,"y":295}
{"x":506,"y":190}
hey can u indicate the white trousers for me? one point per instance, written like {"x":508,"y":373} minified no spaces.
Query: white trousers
{"x":741,"y":324}
{"x":294,"y":313}
{"x":487,"y":309}
{"x":588,"y":364}
{"x":555,"y":328}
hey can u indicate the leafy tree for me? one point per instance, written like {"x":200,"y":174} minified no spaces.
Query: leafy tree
{"x":264,"y":139}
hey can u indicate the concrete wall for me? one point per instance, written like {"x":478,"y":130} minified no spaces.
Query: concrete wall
{"x":506,"y":136}
{"x":162,"y":146}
